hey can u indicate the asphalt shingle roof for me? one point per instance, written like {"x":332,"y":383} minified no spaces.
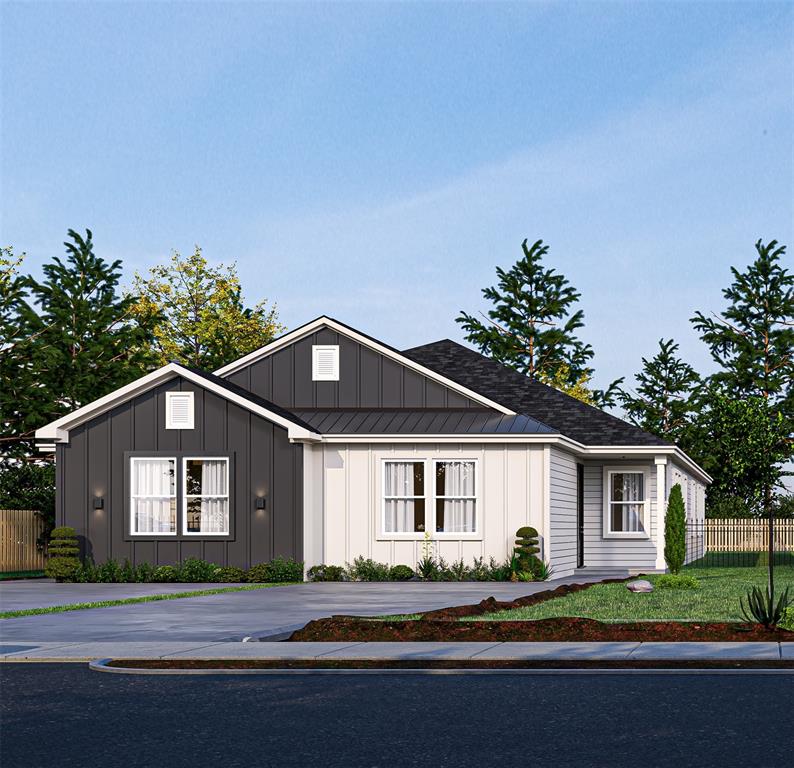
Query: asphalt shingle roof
{"x":502,"y":384}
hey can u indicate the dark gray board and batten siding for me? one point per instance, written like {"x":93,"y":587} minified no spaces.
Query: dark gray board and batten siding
{"x":367,"y":379}
{"x":263,"y":460}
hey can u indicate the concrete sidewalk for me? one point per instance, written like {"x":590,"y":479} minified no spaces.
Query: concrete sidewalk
{"x":88,"y":651}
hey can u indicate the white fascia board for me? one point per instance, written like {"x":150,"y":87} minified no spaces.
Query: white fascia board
{"x":327,"y":322}
{"x":58,"y":431}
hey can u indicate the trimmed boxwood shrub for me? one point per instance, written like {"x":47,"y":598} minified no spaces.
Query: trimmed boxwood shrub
{"x":400,"y":573}
{"x":195,"y":570}
{"x":327,"y":573}
{"x":63,"y":563}
{"x":277,"y":570}
{"x":165,"y":573}
{"x":230,"y":574}
{"x":526,"y":550}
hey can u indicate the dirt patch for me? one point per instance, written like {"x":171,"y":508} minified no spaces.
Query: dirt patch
{"x":446,"y":664}
{"x":566,"y":629}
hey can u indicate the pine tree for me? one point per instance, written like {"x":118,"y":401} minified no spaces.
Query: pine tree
{"x":200,"y":316}
{"x":675,"y":530}
{"x":665,"y":397}
{"x":532,"y":325}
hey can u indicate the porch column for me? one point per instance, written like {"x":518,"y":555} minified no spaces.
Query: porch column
{"x":661,"y":499}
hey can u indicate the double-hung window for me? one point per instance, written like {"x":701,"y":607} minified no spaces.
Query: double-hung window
{"x":423,"y":495}
{"x":206,"y":496}
{"x":153,"y":495}
{"x":625,"y":502}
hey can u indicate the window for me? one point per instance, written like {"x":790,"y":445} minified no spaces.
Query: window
{"x":179,"y":410}
{"x":153,"y":495}
{"x":404,"y":497}
{"x":325,"y":363}
{"x":206,"y":496}
{"x":625,"y":502}
{"x":455,"y":497}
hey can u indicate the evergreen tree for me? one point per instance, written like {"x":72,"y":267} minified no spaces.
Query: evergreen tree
{"x":200,"y":317}
{"x":675,"y":530}
{"x":532,"y":325}
{"x":665,"y":397}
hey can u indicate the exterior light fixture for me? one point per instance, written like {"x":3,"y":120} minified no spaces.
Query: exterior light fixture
{"x":260,"y":502}
{"x":99,"y":502}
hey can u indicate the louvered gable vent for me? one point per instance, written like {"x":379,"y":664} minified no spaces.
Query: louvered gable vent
{"x":179,"y":410}
{"x":325,"y":363}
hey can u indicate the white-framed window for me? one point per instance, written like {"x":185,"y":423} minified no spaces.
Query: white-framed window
{"x":152,"y":496}
{"x":456,"y":495}
{"x":205,"y":504}
{"x":434,"y":495}
{"x":325,"y":362}
{"x":626,"y":502}
{"x":179,"y":410}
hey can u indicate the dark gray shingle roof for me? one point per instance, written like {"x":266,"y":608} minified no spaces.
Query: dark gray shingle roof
{"x":498,"y":382}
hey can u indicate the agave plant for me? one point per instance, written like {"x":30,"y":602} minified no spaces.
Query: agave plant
{"x":761,"y":607}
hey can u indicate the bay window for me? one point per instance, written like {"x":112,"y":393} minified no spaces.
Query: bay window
{"x":625,"y":502}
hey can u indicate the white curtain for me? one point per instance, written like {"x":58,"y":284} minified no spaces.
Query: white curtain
{"x":456,"y":478}
{"x":399,"y":481}
{"x":214,"y":511}
{"x":628,"y":487}
{"x":154,"y":495}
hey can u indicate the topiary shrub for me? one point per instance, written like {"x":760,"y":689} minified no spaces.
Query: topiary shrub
{"x":63,"y":563}
{"x":526,"y":550}
{"x":327,"y":573}
{"x":278,"y":570}
{"x":400,"y":573}
{"x":675,"y":530}
{"x":367,"y":569}
{"x":195,"y":570}
{"x":165,"y":573}
{"x":230,"y":574}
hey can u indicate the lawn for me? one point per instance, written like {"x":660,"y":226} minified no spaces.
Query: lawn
{"x":716,"y":600}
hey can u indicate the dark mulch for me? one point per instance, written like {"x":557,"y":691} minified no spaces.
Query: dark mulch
{"x":567,"y":629}
{"x":448,"y":664}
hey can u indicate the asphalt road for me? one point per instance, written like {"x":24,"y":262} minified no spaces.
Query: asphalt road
{"x":65,"y":715}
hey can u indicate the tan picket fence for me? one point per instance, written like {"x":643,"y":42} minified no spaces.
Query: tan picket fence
{"x":19,"y":531}
{"x":748,"y":535}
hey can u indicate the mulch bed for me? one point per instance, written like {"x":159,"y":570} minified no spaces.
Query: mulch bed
{"x":448,"y":664}
{"x":443,"y":625}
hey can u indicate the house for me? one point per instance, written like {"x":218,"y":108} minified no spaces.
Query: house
{"x":327,"y":444}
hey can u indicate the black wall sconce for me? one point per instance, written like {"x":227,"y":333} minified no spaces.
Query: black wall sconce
{"x":260,"y":502}
{"x":99,"y":502}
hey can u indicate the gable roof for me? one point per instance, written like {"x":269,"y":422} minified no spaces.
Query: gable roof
{"x":58,"y":430}
{"x":368,"y":341}
{"x":571,"y":417}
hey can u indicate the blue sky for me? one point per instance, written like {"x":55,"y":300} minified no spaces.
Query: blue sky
{"x":375,"y":162}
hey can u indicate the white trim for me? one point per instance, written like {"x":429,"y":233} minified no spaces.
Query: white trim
{"x":327,"y":322}
{"x":186,"y":495}
{"x":661,"y":510}
{"x":133,"y":496}
{"x":429,"y":498}
{"x":317,"y":351}
{"x":59,"y":430}
{"x":169,"y":416}
{"x":639,"y":469}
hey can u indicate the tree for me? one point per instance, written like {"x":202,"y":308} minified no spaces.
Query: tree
{"x":675,"y":530}
{"x":753,"y":343}
{"x":665,"y":397}
{"x":532,"y":325}
{"x":199,"y":315}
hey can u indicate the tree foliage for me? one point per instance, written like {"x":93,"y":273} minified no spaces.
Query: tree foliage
{"x":532,"y":325}
{"x":199,"y":315}
{"x":675,"y":530}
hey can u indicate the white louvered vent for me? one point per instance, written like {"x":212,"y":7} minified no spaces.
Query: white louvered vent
{"x":179,"y":410}
{"x":325,"y":363}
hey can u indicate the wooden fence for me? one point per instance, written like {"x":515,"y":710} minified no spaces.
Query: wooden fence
{"x":747,"y":535}
{"x":19,"y":531}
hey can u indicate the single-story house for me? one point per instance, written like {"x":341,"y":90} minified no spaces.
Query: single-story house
{"x":327,"y":444}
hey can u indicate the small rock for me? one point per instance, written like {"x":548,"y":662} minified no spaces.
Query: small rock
{"x":640,"y":585}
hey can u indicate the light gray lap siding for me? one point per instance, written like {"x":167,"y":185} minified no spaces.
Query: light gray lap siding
{"x":367,"y":379}
{"x":262,"y":461}
{"x":562,"y":502}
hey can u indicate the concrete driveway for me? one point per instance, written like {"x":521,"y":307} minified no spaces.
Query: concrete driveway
{"x":230,"y":616}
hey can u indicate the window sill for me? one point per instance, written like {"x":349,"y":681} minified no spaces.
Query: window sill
{"x":435,"y":537}
{"x":627,"y":535}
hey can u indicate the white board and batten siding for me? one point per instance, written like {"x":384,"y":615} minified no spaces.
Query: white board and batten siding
{"x":563,"y":503}
{"x":344,"y":501}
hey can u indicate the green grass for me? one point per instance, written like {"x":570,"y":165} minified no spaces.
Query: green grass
{"x":717,"y":599}
{"x":131,"y":600}
{"x":7,"y":575}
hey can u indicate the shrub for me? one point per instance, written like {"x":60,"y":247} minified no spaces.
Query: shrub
{"x":108,"y":573}
{"x":526,"y":550}
{"x":677,"y":581}
{"x":127,"y":572}
{"x":195,"y":570}
{"x":427,"y":569}
{"x":229,"y":574}
{"x":401,"y":573}
{"x":787,"y":620}
{"x":277,"y":570}
{"x":675,"y":531}
{"x":63,"y":562}
{"x":543,"y":571}
{"x":480,"y":570}
{"x":366,"y":569}
{"x":165,"y":573}
{"x":762,"y":608}
{"x":144,"y":573}
{"x":327,"y":573}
